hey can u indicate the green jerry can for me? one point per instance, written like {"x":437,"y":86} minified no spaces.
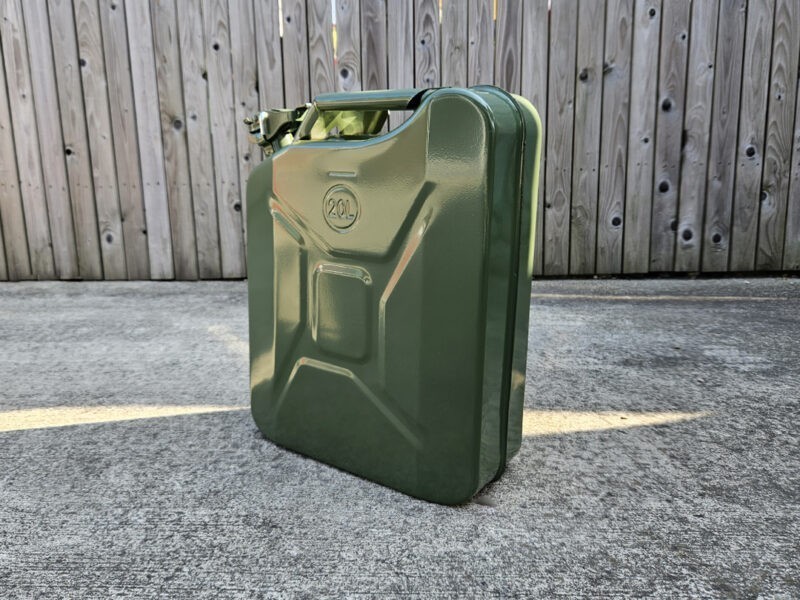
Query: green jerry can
{"x":389,"y":278}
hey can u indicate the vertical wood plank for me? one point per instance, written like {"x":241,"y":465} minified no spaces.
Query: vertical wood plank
{"x":400,"y":46}
{"x":348,"y":46}
{"x":101,"y":146}
{"x":560,"y":106}
{"x":295,"y":53}
{"x":320,"y":47}
{"x":268,"y":51}
{"x":37,"y":26}
{"x":752,"y":121}
{"x":535,"y":21}
{"x":245,"y":91}
{"x":454,"y":43}
{"x":198,"y":134}
{"x":724,"y":126}
{"x":76,"y":143}
{"x":697,"y":129}
{"x":791,"y":251}
{"x":642,"y":125}
{"x":15,"y":241}
{"x":223,"y":133}
{"x":173,"y":137}
{"x":669,"y":124}
{"x":151,"y":155}
{"x":373,"y":44}
{"x":480,"y":57}
{"x":426,"y":43}
{"x":777,"y":155}
{"x":586,"y":150}
{"x":23,"y":121}
{"x":126,"y":144}
{"x":614,"y":135}
{"x":508,"y":52}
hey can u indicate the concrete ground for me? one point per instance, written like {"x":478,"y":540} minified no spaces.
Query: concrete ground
{"x":661,"y":455}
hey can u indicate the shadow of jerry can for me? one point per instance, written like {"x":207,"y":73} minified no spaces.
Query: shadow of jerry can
{"x":389,"y":283}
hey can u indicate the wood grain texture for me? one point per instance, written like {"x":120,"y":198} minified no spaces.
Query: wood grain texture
{"x":696,"y":132}
{"x":101,"y":145}
{"x":586,"y":139}
{"x":126,"y":144}
{"x":348,"y":46}
{"x":508,"y":49}
{"x":614,"y":135}
{"x":295,"y":53}
{"x":23,"y":121}
{"x":148,"y":130}
{"x":669,"y":130}
{"x":455,"y":36}
{"x":320,"y":47}
{"x":724,"y":128}
{"x":426,"y":44}
{"x":173,"y":137}
{"x":480,"y":57}
{"x":37,"y":26}
{"x":752,"y":121}
{"x":373,"y":44}
{"x":641,"y":142}
{"x":535,"y":21}
{"x":268,"y":52}
{"x":400,"y":48}
{"x":791,"y":249}
{"x":223,"y":135}
{"x":560,"y":111}
{"x":777,"y":154}
{"x":15,"y":241}
{"x":198,"y":134}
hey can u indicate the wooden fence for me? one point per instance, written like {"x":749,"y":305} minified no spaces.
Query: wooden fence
{"x":672,"y":128}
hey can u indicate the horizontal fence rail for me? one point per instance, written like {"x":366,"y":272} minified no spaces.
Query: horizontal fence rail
{"x":672,"y":127}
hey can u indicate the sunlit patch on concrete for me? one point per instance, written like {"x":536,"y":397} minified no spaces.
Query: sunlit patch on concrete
{"x":233,"y":342}
{"x":64,"y":416}
{"x":555,"y":422}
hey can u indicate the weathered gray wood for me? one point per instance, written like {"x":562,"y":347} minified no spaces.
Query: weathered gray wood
{"x":641,"y":133}
{"x":23,"y":121}
{"x":480,"y":54}
{"x":37,"y":26}
{"x":400,"y":47}
{"x":426,"y":43}
{"x":151,"y":154}
{"x":373,"y":44}
{"x":198,"y":133}
{"x":15,"y":242}
{"x":508,"y":49}
{"x":614,"y":135}
{"x":101,"y":145}
{"x":750,"y":149}
{"x":173,"y":137}
{"x":295,"y":53}
{"x":724,"y":126}
{"x":560,"y":107}
{"x":320,"y":47}
{"x":454,"y":43}
{"x":348,"y":46}
{"x":586,"y":150}
{"x":126,"y":144}
{"x":224,"y":129}
{"x":535,"y":43}
{"x":669,"y":128}
{"x":777,"y":154}
{"x":697,"y":129}
{"x":268,"y":51}
{"x":791,"y":250}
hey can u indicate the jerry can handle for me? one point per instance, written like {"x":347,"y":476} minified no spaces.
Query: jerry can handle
{"x":405,"y":99}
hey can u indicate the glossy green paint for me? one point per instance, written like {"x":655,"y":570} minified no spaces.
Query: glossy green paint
{"x":389,"y":284}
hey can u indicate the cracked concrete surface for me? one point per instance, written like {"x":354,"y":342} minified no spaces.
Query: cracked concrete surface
{"x":192,"y":504}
